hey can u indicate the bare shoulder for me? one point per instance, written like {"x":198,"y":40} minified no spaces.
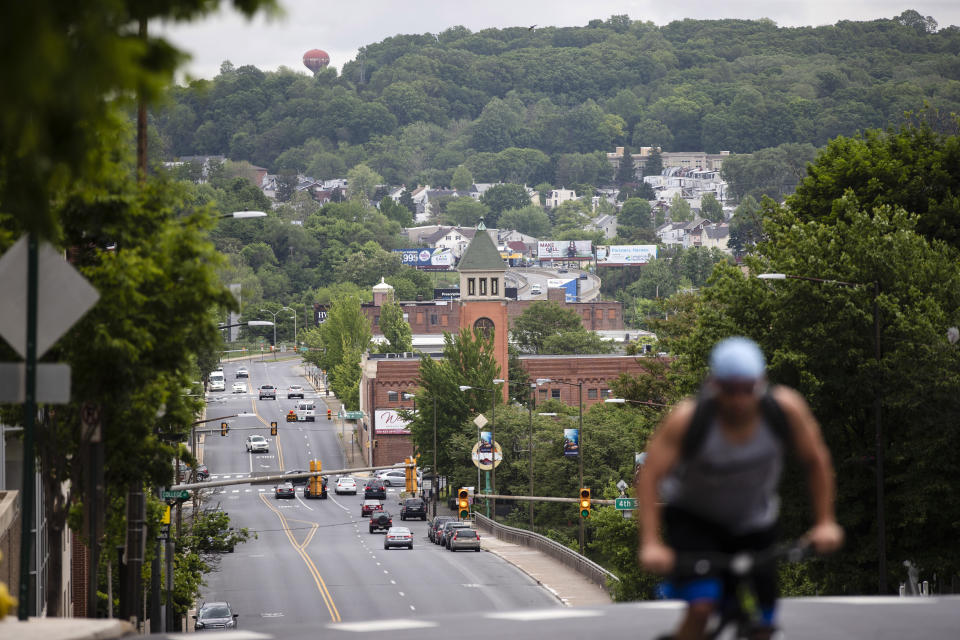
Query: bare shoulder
{"x":676,"y":423}
{"x":790,"y":400}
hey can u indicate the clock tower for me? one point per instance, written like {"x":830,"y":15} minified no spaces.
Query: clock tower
{"x":483,"y":304}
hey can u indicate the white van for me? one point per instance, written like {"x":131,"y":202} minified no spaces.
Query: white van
{"x":305,"y":411}
{"x":217,"y":382}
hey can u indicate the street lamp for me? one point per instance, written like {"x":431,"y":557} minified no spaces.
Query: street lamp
{"x":274,"y":329}
{"x":877,"y":416}
{"x":243,"y":215}
{"x":579,"y":386}
{"x":530,"y":401}
{"x":493,"y":434}
{"x":642,"y":402}
{"x":294,"y":316}
{"x":435,"y":484}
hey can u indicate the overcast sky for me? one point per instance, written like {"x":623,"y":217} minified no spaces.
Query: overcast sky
{"x":339,"y":27}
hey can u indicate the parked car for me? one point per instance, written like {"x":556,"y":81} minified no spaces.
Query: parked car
{"x":375,"y":489}
{"x":435,"y":524}
{"x":448,"y":528}
{"x":268,"y":392}
{"x":285,"y":490}
{"x":367,"y":507}
{"x":215,"y":615}
{"x":413,"y":508}
{"x":243,"y":373}
{"x":346,"y":484}
{"x":295,"y":391}
{"x":583,"y":276}
{"x":394,"y":477}
{"x":257,"y":444}
{"x":239,"y":387}
{"x":398,"y":537}
{"x":380,"y":522}
{"x":464,"y":538}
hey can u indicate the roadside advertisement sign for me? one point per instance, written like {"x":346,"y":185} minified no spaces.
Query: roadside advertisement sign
{"x":389,"y":423}
{"x":569,"y":285}
{"x":486,"y":454}
{"x":564,"y":250}
{"x":426,"y":258}
{"x":571,"y":443}
{"x":625,"y":255}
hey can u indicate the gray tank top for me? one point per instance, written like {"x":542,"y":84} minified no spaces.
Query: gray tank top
{"x":731,"y":484}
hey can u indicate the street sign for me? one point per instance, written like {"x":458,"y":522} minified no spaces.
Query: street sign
{"x":183,"y":494}
{"x":64,"y":295}
{"x":622,"y":486}
{"x":480,"y":421}
{"x":625,"y":504}
{"x":354,"y":415}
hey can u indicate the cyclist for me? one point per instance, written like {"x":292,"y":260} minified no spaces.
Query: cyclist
{"x":715,"y":463}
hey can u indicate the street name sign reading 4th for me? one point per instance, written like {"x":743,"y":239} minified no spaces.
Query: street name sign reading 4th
{"x":625,"y":504}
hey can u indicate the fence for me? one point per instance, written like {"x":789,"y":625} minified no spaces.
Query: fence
{"x":582,"y":565}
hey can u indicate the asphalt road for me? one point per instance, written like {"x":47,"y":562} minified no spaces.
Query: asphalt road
{"x":537,"y":275}
{"x":872,"y":618}
{"x":313,"y":561}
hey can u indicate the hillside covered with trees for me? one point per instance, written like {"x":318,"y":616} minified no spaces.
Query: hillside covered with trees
{"x":542,"y":105}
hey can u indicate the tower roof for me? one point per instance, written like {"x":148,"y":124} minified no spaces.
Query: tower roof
{"x":383,"y":286}
{"x":481,"y":253}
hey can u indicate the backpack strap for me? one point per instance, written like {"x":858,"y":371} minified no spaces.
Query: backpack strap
{"x":697,"y":430}
{"x":777,"y":420}
{"x":705,"y":410}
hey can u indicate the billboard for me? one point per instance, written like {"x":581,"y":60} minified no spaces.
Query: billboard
{"x":569,"y":285}
{"x":625,"y":255}
{"x":426,"y":258}
{"x":389,"y":423}
{"x":571,"y":443}
{"x":564,"y":250}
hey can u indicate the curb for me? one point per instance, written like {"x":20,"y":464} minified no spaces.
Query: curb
{"x":531,"y":576}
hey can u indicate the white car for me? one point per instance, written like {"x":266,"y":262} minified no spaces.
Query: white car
{"x":394,"y":478}
{"x":295,"y":391}
{"x":257,"y":444}
{"x":243,"y":373}
{"x":346,"y":484}
{"x":239,"y":387}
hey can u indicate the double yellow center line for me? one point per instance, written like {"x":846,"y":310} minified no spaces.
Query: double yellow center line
{"x":267,"y":424}
{"x":301,"y":548}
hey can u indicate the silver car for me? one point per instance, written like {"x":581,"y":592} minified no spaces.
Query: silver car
{"x":268,"y":392}
{"x":398,"y":537}
{"x":464,"y":539}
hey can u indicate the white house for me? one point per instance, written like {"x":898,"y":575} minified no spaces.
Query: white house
{"x":559,"y":196}
{"x":606,"y":223}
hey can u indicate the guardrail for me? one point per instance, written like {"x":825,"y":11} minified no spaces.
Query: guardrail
{"x":581,"y":564}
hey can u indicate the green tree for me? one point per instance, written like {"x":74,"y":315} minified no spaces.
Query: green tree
{"x":746,"y":226}
{"x":626,"y":171}
{"x":636,"y":212}
{"x":406,"y":199}
{"x":680,"y":210}
{"x":502,"y":197}
{"x":466,"y":212}
{"x":541,"y":320}
{"x":579,"y":341}
{"x":710,"y":208}
{"x":344,"y":336}
{"x":396,"y":330}
{"x":462,"y":179}
{"x":654,"y":164}
{"x":818,"y":338}
{"x":909,"y":167}
{"x":363,"y":181}
{"x":286,"y":185}
{"x":396,"y":212}
{"x":531,"y":220}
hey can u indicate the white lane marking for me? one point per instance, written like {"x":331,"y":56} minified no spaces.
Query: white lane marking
{"x":261,"y":490}
{"x":871,"y":600}
{"x":662,"y":604}
{"x":378,"y":564}
{"x":393,"y":582}
{"x":376,"y":625}
{"x":385,"y":571}
{"x":235,"y":491}
{"x":300,"y":500}
{"x":536,"y":615}
{"x":401,"y":593}
{"x":412,"y":608}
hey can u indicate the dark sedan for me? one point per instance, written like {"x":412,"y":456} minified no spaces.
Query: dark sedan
{"x":285,"y":490}
{"x":434,"y":529}
{"x":375,"y":489}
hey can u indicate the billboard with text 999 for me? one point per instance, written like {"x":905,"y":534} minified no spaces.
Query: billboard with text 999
{"x":426,"y":258}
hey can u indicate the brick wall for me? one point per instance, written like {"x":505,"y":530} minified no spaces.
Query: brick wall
{"x":596,"y":316}
{"x":595,"y":372}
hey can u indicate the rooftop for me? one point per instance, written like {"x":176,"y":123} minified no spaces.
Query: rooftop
{"x":481,"y":254}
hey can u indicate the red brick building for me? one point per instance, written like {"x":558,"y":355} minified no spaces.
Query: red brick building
{"x":387,"y":377}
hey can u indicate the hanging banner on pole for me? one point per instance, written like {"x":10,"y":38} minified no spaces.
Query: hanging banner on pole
{"x":571,"y":443}
{"x":487,"y":454}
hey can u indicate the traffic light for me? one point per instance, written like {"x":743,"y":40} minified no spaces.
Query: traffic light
{"x":224,"y":428}
{"x":316,"y":484}
{"x":463,"y":504}
{"x":273,"y":428}
{"x":585,"y":503}
{"x":410,"y":472}
{"x":329,"y":415}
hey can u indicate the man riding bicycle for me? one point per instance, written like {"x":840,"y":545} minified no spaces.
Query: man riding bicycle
{"x":714,"y":464}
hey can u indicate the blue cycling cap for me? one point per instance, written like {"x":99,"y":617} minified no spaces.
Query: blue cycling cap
{"x":737,"y":358}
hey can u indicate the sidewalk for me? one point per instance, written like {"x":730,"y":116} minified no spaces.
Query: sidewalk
{"x":64,"y":628}
{"x":352,"y":455}
{"x":571,"y":588}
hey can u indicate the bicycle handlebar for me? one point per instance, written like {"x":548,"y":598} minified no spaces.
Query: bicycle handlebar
{"x":711,"y":563}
